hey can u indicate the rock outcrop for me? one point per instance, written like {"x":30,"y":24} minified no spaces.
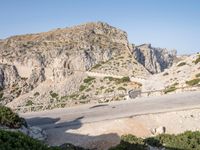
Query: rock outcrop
{"x":51,"y":66}
{"x":32,"y":60}
{"x":155,"y":60}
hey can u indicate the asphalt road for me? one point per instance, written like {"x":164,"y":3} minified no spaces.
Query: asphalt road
{"x":69,"y":117}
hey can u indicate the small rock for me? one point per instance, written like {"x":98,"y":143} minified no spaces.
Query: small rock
{"x":159,"y":130}
{"x":37,"y":133}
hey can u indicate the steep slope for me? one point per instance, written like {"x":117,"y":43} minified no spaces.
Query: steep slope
{"x":186,"y":72}
{"x":52,"y":64}
{"x":155,"y":60}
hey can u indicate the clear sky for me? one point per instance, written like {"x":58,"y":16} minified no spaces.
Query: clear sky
{"x":163,"y":23}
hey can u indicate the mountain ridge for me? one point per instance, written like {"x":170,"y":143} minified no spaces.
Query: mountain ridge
{"x":43,"y":67}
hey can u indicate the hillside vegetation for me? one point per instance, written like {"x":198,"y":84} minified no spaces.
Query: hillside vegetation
{"x":10,"y":119}
{"x":19,"y":141}
{"x":185,"y":141}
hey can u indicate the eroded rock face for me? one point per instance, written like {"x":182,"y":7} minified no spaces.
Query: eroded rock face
{"x":49,"y":66}
{"x":29,"y":60}
{"x":8,"y":76}
{"x":155,"y":60}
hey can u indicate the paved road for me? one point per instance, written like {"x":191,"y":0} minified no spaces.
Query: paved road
{"x":69,"y":117}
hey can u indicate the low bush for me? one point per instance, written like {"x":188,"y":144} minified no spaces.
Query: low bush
{"x":96,"y":66}
{"x":74,"y":95}
{"x":165,"y":74}
{"x":53,"y":94}
{"x":197,"y":60}
{"x":125,"y":79}
{"x":197,"y":75}
{"x":88,"y":79}
{"x":9,"y":118}
{"x":121,"y":88}
{"x":185,"y":141}
{"x":29,"y":103}
{"x":130,"y":142}
{"x":170,"y":89}
{"x":36,"y":94}
{"x":181,"y":64}
{"x":193,"y":82}
{"x":19,"y":141}
{"x":1,"y":95}
{"x":82,"y":88}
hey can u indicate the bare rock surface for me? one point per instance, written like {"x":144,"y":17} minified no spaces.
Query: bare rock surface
{"x":155,"y":60}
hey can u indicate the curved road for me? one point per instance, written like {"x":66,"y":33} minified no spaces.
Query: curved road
{"x":65,"y":117}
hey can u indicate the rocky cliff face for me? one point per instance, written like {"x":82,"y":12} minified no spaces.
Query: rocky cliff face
{"x":57,"y":53}
{"x":155,"y":60}
{"x":50,"y":58}
{"x":51,"y":66}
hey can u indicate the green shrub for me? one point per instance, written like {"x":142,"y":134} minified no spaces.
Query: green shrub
{"x":193,"y":82}
{"x":125,"y":79}
{"x":1,"y":95}
{"x":197,"y":60}
{"x":181,"y":64}
{"x":89,"y":89}
{"x":83,"y":97}
{"x":170,"y":89}
{"x":130,"y":142}
{"x":109,"y":90}
{"x":88,"y":79}
{"x":82,"y":88}
{"x":121,"y":88}
{"x":9,"y":118}
{"x":64,"y":97}
{"x":53,"y":94}
{"x":165,"y":74}
{"x":29,"y":103}
{"x":36,"y":94}
{"x":185,"y":141}
{"x":197,"y":75}
{"x":73,"y":95}
{"x":96,"y":66}
{"x":118,"y":81}
{"x":110,"y":78}
{"x":19,"y":141}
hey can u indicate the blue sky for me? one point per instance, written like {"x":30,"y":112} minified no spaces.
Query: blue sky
{"x":163,"y":23}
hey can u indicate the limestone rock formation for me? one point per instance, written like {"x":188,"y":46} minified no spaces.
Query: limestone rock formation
{"x":51,"y":66}
{"x":47,"y":60}
{"x":155,"y":60}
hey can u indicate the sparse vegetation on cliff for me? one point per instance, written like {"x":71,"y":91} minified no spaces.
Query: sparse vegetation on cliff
{"x":181,"y":64}
{"x":9,"y":118}
{"x":197,"y":60}
{"x":193,"y":82}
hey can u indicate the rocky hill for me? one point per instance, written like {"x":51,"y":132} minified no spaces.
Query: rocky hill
{"x":155,"y":60}
{"x":184,"y":73}
{"x":74,"y":65}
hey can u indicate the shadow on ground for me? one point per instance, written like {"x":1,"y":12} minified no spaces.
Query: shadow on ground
{"x":62,"y":132}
